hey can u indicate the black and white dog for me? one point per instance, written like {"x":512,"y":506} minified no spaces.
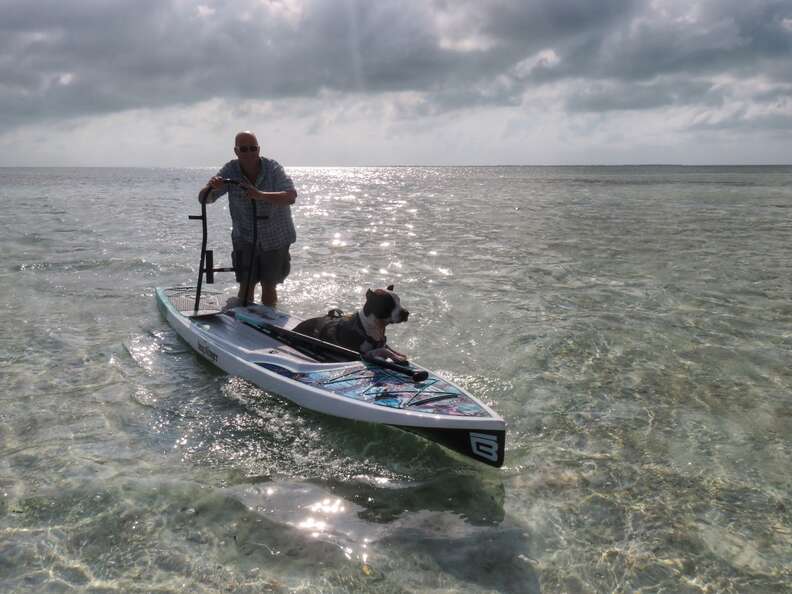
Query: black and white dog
{"x":363,"y":331}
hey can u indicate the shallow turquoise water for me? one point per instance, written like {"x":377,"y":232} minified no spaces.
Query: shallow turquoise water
{"x":633,"y":325}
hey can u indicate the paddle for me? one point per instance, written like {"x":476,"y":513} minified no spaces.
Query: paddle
{"x":290,"y":336}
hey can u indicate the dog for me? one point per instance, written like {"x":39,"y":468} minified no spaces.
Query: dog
{"x":363,"y":331}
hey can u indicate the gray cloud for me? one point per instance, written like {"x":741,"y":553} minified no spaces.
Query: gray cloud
{"x":535,"y":25}
{"x":64,"y":59}
{"x":601,"y":97}
{"x":780,"y":96}
{"x":744,"y":123}
{"x":92,"y":58}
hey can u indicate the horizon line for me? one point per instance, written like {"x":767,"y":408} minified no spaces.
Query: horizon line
{"x":409,"y":165}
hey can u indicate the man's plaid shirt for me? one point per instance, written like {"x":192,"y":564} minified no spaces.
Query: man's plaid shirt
{"x":277,"y":230}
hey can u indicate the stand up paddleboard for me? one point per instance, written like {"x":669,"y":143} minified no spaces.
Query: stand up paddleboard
{"x":258,"y":343}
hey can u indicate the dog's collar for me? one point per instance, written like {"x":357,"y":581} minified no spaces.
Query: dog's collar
{"x":377,"y":344}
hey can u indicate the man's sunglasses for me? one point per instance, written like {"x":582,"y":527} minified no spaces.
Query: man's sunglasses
{"x":244,"y":149}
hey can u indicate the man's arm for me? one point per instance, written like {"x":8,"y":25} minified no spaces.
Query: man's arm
{"x":215,"y":187}
{"x":205,"y":195}
{"x":284,"y":194}
{"x":285,"y":198}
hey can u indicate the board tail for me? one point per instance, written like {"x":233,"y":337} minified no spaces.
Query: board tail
{"x":485,"y":446}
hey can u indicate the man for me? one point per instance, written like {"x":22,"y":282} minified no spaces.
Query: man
{"x":263,"y":181}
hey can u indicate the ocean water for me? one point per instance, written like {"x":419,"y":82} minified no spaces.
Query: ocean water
{"x":633,"y":325}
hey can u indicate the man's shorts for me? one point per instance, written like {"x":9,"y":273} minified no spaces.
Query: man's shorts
{"x":270,"y":266}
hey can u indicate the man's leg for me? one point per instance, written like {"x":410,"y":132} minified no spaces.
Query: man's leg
{"x":269,"y":294}
{"x":240,"y":257}
{"x":250,"y":292}
{"x":277,"y":264}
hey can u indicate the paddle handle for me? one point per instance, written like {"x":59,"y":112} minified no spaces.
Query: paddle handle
{"x":416,"y":375}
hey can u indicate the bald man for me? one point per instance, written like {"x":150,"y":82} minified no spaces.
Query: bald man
{"x":264,"y":181}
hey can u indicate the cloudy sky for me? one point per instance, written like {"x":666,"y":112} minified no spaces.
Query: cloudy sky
{"x":359,"y":82}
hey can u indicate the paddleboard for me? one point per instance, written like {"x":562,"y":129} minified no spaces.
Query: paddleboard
{"x":257,"y":343}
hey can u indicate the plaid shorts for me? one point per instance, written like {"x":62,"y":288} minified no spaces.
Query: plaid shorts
{"x":269,"y":266}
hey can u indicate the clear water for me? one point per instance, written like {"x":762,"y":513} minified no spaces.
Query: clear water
{"x":633,"y":325}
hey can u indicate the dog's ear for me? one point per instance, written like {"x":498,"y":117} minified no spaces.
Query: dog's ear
{"x":369,"y":293}
{"x":390,"y":287}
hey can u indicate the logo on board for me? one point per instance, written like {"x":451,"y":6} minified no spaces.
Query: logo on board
{"x":203,"y":348}
{"x":484,"y":445}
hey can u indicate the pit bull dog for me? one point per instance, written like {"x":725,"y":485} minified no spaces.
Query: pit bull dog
{"x":363,"y":331}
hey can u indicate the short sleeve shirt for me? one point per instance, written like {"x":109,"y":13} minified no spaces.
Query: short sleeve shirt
{"x":274,"y":232}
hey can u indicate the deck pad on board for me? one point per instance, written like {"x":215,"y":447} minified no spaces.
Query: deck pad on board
{"x":376,"y":385}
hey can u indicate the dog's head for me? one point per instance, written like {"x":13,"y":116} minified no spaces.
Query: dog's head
{"x":385,"y":305}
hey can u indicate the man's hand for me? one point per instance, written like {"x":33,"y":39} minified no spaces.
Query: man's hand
{"x":216,"y":182}
{"x":204,"y":196}
{"x":277,"y":198}
{"x":250,"y":190}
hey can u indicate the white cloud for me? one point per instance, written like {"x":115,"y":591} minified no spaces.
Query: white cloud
{"x":291,"y":11}
{"x":458,"y":28}
{"x":543,"y":60}
{"x":204,"y":11}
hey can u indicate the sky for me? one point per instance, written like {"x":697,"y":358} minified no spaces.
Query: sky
{"x":396,"y":82}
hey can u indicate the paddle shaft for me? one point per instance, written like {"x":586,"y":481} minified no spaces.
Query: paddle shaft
{"x":203,"y":257}
{"x":290,"y":335}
